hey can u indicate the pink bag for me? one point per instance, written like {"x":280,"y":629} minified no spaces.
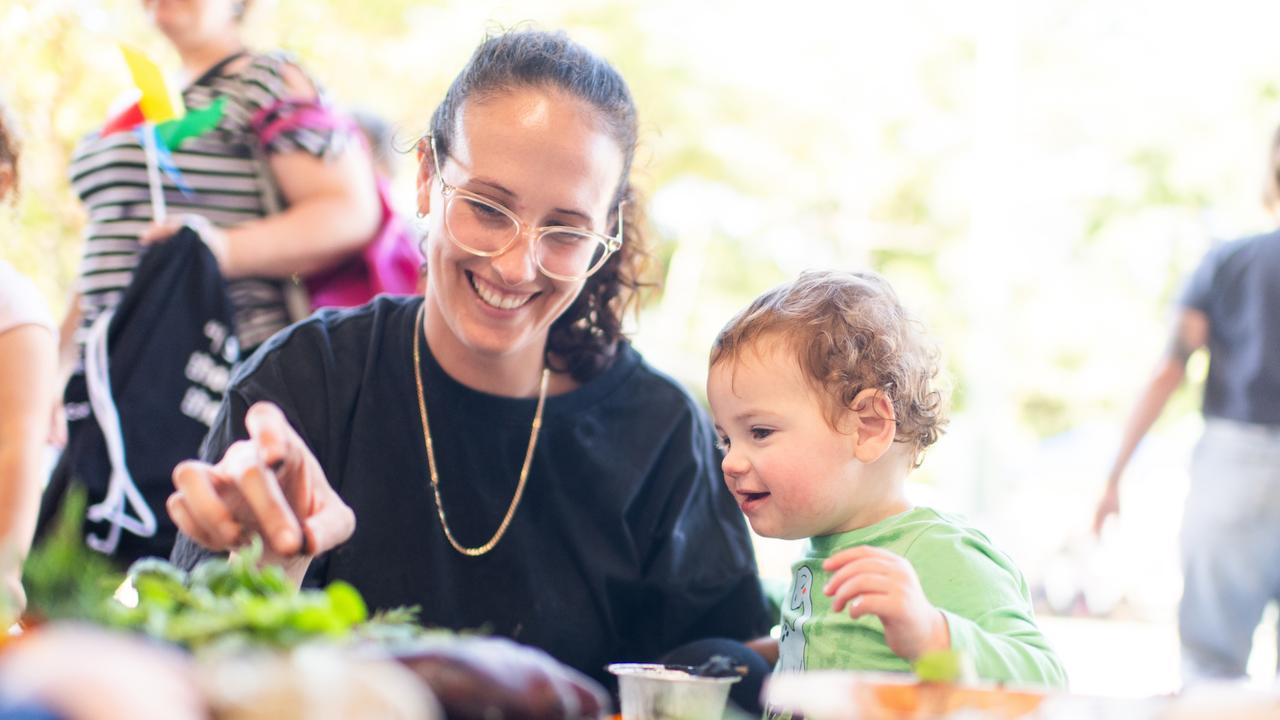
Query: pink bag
{"x":390,"y":262}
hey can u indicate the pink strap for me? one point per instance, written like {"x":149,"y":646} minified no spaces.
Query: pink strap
{"x":294,"y":115}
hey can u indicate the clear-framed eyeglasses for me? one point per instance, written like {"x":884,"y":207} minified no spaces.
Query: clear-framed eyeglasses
{"x":488,"y":229}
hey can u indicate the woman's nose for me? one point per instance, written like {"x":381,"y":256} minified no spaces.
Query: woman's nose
{"x":517,"y":266}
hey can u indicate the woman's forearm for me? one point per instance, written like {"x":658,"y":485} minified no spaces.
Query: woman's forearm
{"x":27,"y":367}
{"x":332,"y":212}
{"x":20,"y":467}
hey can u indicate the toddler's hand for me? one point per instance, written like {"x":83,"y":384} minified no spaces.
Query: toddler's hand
{"x":873,"y":581}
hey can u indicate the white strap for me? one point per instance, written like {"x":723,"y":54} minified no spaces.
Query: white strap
{"x":122,"y":493}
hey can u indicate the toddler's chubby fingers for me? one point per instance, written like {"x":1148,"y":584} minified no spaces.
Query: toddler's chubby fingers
{"x":853,"y":554}
{"x":863,"y":566}
{"x":851,"y":590}
{"x":870,"y":603}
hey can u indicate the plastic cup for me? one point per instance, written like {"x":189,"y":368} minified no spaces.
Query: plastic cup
{"x":652,"y":692}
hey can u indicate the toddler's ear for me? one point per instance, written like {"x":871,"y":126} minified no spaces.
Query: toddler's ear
{"x":871,"y":422}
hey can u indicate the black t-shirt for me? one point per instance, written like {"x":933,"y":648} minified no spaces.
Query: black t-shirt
{"x":1237,"y":286}
{"x":625,"y":545}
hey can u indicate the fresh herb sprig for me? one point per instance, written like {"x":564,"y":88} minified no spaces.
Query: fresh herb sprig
{"x":223,"y":602}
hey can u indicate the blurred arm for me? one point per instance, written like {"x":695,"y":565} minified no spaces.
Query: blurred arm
{"x":1190,"y":333}
{"x":331,"y":211}
{"x":767,"y":647}
{"x":28,"y":359}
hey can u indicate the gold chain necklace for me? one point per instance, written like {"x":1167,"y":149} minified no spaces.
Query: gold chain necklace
{"x":431,"y":456}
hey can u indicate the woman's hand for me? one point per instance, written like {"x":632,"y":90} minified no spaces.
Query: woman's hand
{"x":270,"y":485}
{"x":874,"y":581}
{"x":214,"y":237}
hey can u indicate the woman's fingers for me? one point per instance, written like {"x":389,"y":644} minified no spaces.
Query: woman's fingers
{"x":330,"y":527}
{"x":270,"y":484}
{"x":285,"y":453}
{"x":326,"y":521}
{"x":159,"y":232}
{"x":275,"y":518}
{"x":205,"y":513}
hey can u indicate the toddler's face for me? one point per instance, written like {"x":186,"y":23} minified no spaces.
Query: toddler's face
{"x":792,"y":474}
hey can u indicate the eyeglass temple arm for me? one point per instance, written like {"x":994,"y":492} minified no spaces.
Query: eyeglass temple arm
{"x":615,"y":243}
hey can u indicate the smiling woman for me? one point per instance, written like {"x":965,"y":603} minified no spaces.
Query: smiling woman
{"x":495,"y":451}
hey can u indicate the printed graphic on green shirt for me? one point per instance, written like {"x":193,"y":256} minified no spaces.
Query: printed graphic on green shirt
{"x":792,"y":645}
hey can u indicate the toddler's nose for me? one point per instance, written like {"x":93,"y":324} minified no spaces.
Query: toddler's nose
{"x":734,"y":465}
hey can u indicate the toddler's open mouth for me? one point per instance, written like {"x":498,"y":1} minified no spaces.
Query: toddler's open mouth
{"x":749,"y":500}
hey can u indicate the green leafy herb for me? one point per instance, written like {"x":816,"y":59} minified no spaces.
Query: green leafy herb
{"x":64,"y":578}
{"x":224,"y":602}
{"x":236,"y":602}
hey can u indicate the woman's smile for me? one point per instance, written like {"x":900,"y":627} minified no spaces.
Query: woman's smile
{"x":493,"y":296}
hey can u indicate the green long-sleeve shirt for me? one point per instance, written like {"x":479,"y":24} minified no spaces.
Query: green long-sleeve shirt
{"x":982,"y":594}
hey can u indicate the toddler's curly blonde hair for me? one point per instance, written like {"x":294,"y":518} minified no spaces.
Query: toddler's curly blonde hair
{"x":849,"y":333}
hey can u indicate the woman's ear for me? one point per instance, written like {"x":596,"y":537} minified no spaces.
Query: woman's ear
{"x":426,"y":168}
{"x":872,"y":425}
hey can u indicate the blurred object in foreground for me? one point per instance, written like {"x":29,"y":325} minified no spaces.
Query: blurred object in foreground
{"x":314,"y":681}
{"x":84,"y":673}
{"x":840,"y":695}
{"x":883,"y":696}
{"x":477,"y":678}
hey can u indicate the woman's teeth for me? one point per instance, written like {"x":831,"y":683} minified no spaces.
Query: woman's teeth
{"x":493,"y":298}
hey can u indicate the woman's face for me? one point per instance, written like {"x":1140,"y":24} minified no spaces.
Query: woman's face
{"x":193,"y":22}
{"x":542,"y":154}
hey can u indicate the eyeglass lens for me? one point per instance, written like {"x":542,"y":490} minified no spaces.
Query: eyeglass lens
{"x":482,"y":227}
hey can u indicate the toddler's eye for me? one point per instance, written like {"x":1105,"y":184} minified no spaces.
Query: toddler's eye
{"x":760,"y":433}
{"x":722,"y":443}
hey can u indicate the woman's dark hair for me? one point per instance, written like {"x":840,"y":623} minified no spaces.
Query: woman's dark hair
{"x":582,"y":341}
{"x":10,"y":146}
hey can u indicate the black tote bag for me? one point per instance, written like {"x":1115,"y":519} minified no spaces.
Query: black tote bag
{"x":154,"y":374}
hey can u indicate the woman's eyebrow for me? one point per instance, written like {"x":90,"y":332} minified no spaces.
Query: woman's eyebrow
{"x":496,"y":187}
{"x":578,"y":213}
{"x":508,"y":196}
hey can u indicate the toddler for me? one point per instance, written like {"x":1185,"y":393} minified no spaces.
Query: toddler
{"x":823,"y":396}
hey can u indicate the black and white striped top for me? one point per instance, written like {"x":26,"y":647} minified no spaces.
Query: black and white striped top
{"x":110,"y":176}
